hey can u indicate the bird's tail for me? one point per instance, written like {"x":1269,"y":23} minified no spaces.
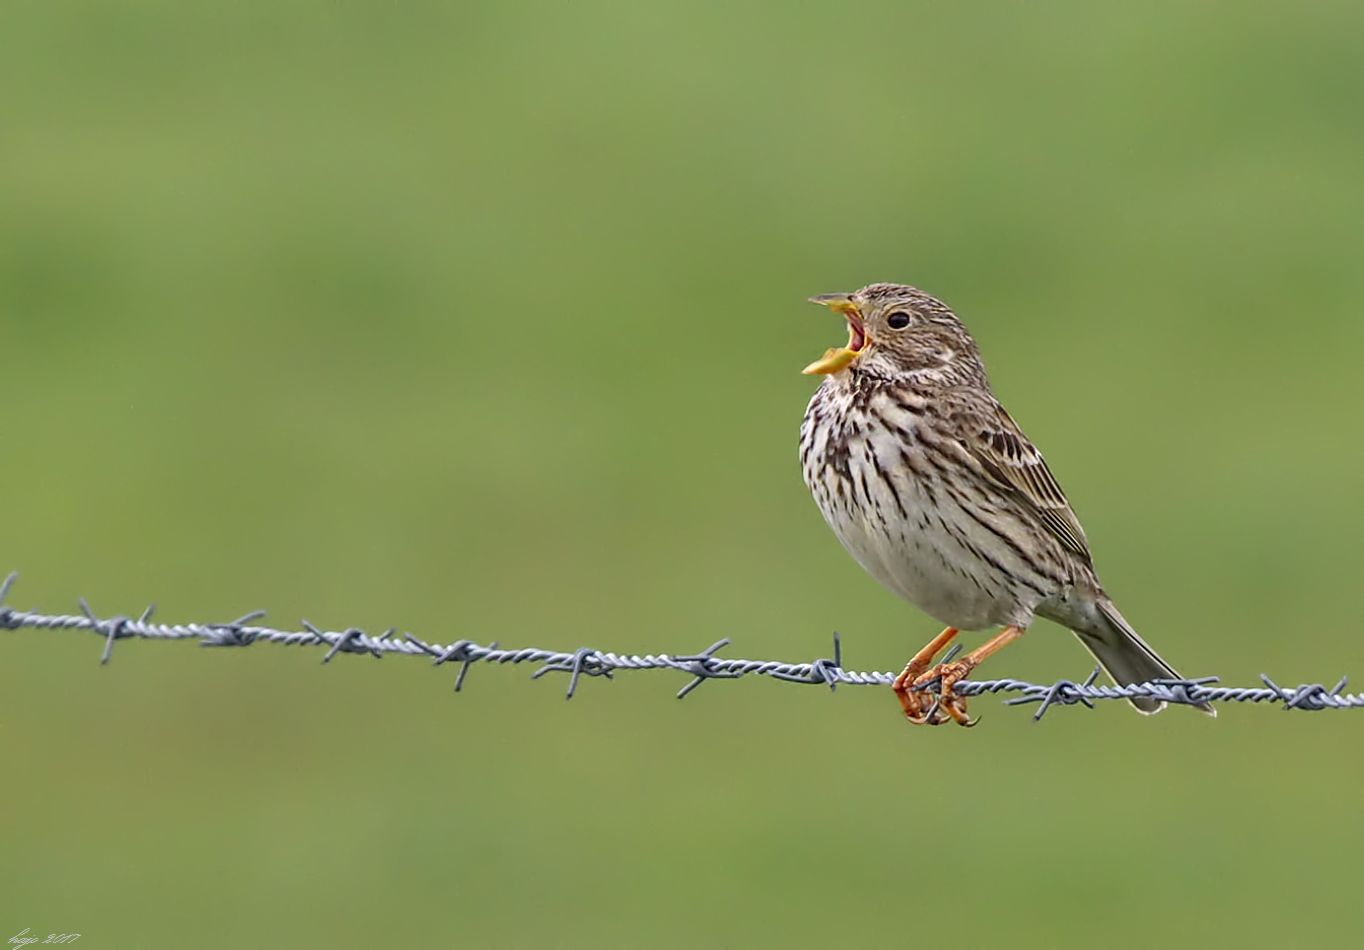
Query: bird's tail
{"x":1128,"y":658}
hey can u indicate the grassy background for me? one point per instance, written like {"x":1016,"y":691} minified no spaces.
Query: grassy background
{"x":485,"y":320}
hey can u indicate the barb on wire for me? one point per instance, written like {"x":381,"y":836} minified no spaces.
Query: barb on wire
{"x":702,"y":666}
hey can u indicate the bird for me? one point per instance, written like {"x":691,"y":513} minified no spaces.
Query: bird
{"x":936,"y":492}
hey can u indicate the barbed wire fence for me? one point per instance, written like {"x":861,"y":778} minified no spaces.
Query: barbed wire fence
{"x":703,"y":666}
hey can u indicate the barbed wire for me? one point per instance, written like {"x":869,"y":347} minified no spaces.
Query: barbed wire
{"x":703,"y":666}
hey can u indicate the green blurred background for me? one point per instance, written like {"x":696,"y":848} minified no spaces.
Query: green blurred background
{"x":485,"y":320}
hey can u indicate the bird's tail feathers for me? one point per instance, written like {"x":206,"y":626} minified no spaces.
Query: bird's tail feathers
{"x":1129,"y":659}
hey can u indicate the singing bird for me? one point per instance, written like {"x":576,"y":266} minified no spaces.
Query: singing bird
{"x":935,"y":490}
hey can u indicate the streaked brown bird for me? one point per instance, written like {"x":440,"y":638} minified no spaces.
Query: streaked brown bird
{"x":935,"y":490}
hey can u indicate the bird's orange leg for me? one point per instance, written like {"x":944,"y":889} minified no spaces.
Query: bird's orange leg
{"x":950,"y":673}
{"x":910,"y":701}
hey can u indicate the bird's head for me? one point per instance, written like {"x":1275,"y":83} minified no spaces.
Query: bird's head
{"x":895,"y":330}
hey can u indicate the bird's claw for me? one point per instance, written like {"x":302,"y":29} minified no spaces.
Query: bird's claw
{"x":909,"y":689}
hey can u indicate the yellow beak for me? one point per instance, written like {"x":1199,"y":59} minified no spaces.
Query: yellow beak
{"x":839,"y":357}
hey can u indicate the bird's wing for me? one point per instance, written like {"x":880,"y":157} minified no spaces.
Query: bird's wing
{"x":992,"y":437}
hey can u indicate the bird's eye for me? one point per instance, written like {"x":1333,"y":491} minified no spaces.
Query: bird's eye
{"x":898,"y":320}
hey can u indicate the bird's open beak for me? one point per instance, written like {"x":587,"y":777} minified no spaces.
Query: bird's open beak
{"x":840,"y":357}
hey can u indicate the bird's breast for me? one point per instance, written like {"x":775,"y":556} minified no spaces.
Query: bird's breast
{"x":879,"y":477}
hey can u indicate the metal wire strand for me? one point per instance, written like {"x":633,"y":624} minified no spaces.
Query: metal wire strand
{"x":702,"y":666}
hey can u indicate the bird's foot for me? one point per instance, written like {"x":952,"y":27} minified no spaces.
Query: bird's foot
{"x":913,"y":704}
{"x":911,"y":685}
{"x":945,"y":701}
